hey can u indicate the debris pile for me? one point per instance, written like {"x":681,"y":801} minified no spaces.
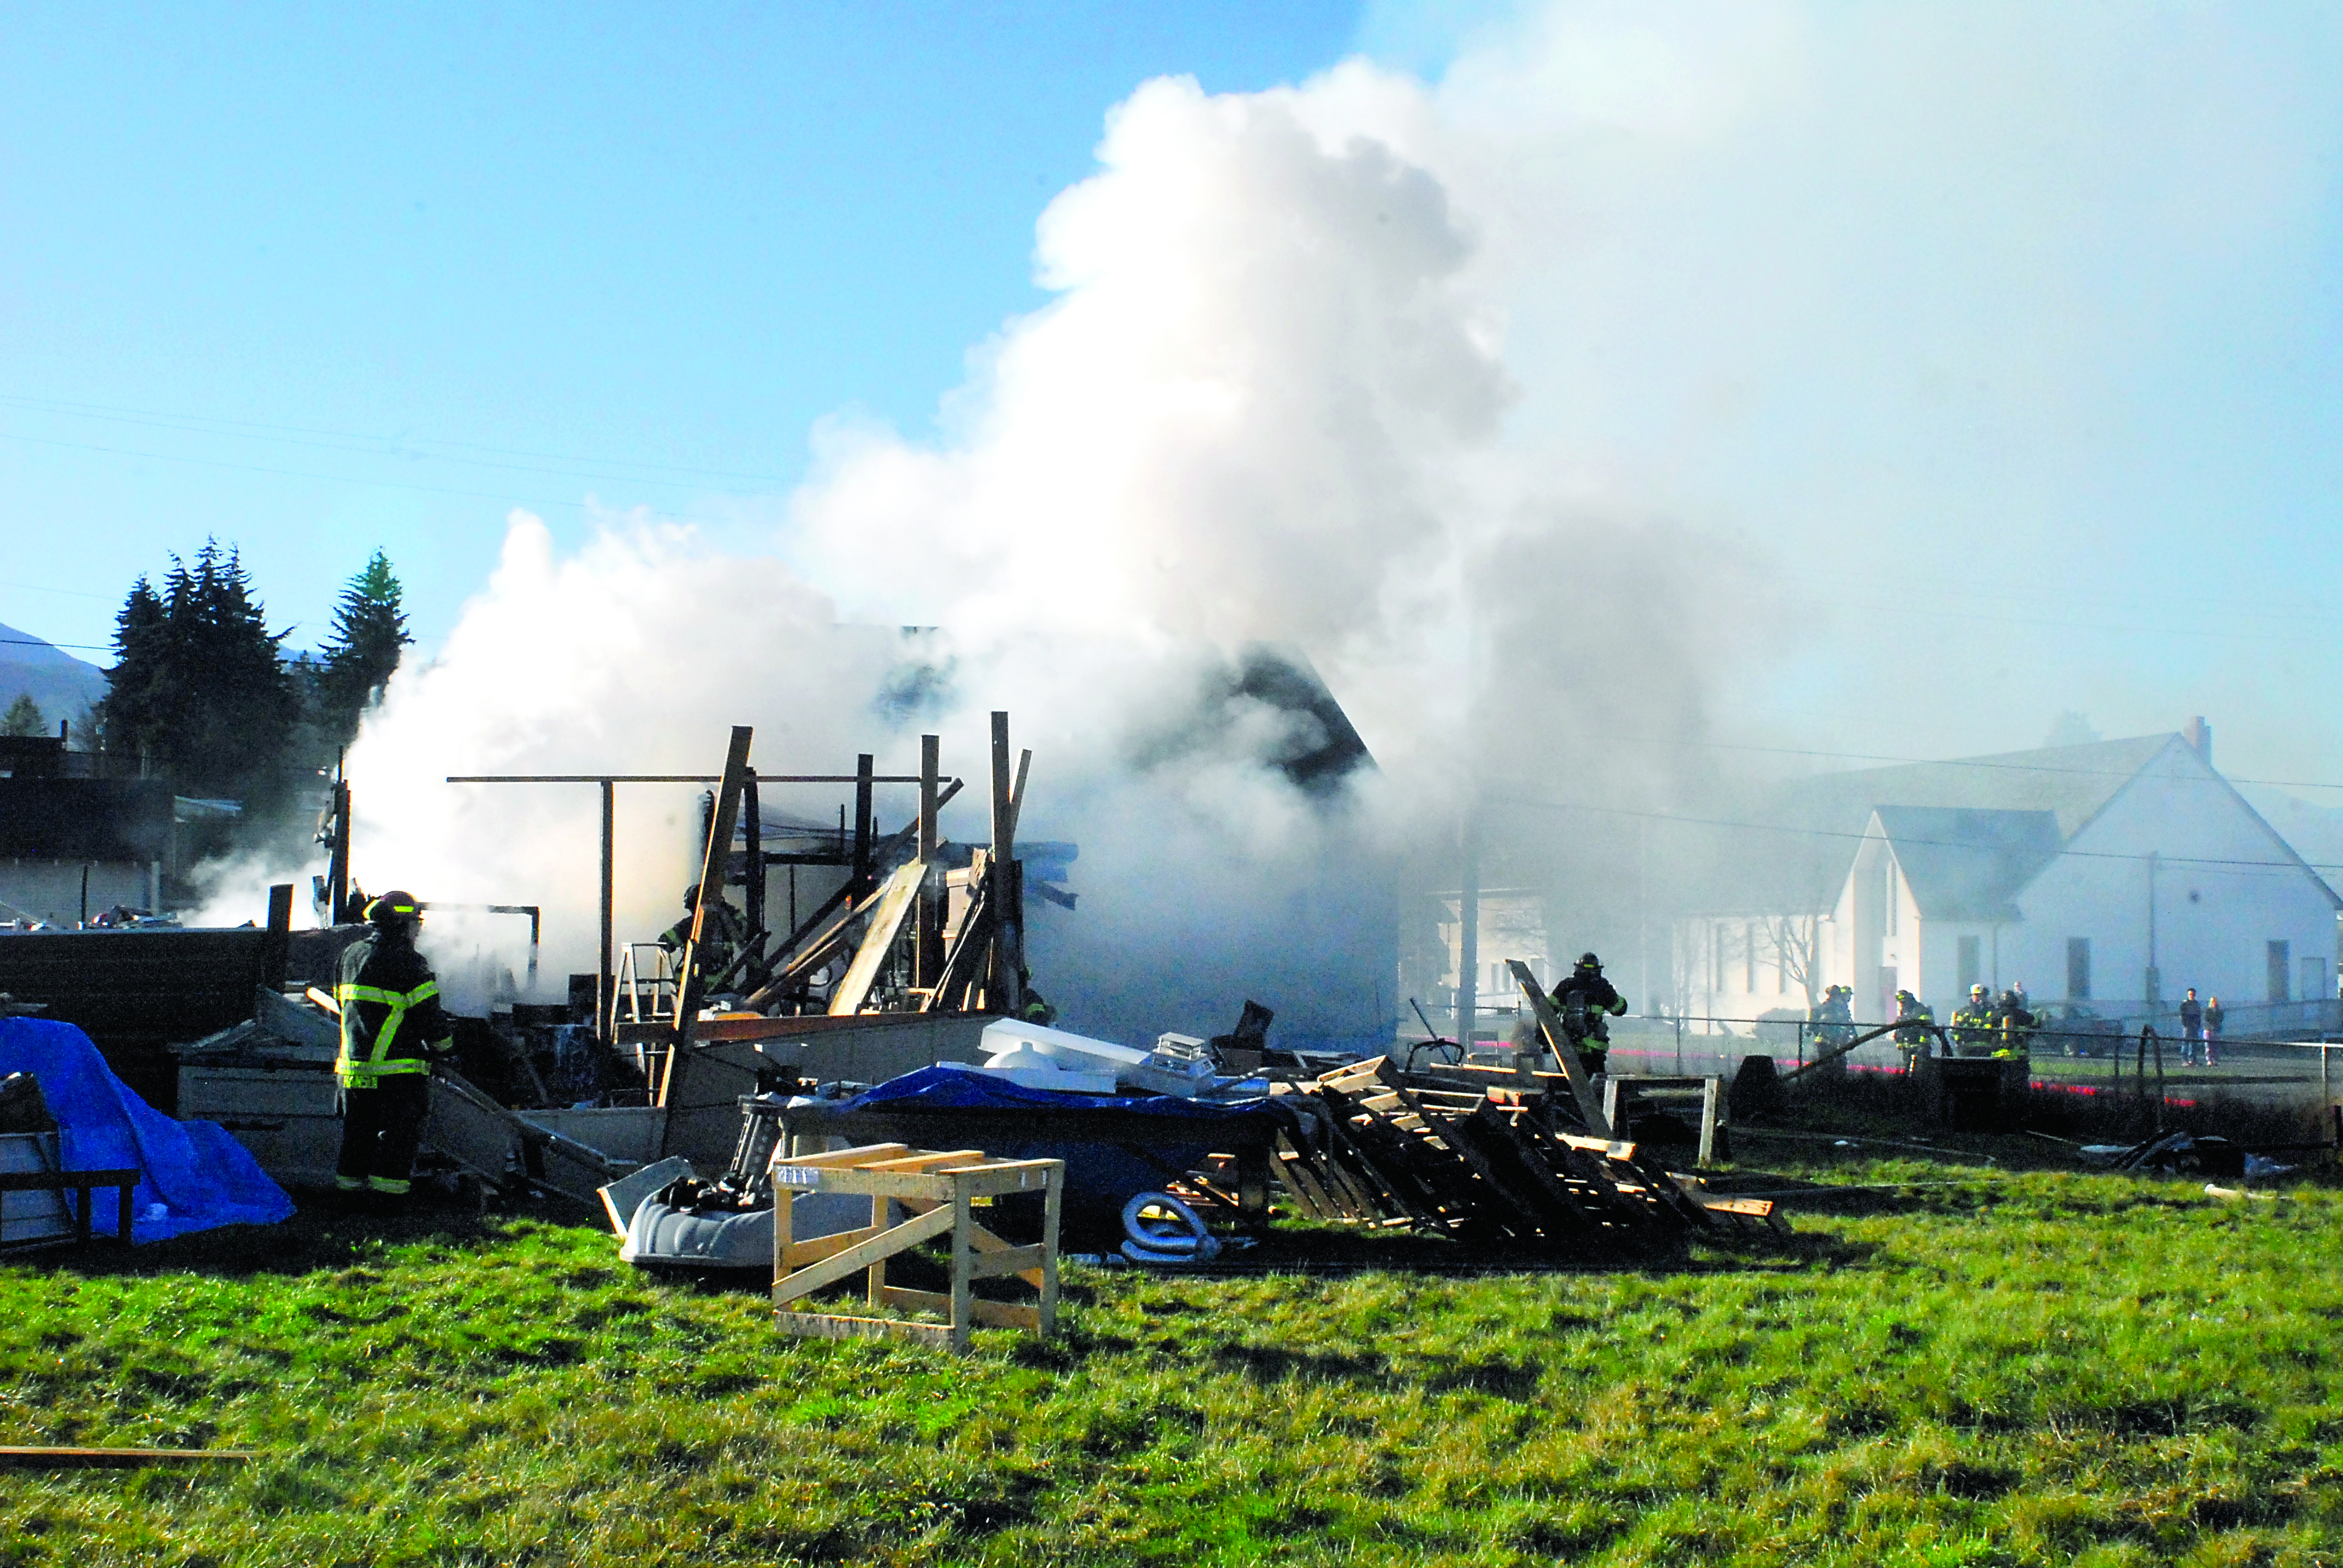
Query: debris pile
{"x":1372,"y":1144}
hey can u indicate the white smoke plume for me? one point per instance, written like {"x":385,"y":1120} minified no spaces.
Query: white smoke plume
{"x":1510,"y":398}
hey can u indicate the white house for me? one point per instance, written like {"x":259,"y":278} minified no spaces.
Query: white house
{"x":2113,"y":875}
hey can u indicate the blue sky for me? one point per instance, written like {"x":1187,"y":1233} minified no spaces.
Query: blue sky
{"x":618,"y":252}
{"x":2004,"y":343}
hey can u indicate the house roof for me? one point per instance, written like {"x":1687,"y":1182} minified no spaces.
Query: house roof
{"x":1962,"y":864}
{"x":1970,"y":831}
{"x":2072,"y":783}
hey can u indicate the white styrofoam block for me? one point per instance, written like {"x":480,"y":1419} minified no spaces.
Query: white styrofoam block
{"x":1009,"y":1033}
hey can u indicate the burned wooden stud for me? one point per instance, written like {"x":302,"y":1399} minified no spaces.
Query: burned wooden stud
{"x":865,"y":829}
{"x":1004,"y":990}
{"x":928,"y":960}
{"x":753,"y":825}
{"x":690,"y":984}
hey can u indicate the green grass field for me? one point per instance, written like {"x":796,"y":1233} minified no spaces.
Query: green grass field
{"x":1999,"y":1367}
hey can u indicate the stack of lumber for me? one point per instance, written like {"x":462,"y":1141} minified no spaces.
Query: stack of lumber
{"x":1369,"y":1144}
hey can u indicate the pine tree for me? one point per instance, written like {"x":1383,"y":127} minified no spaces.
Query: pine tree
{"x":369,"y":633}
{"x":199,"y":682}
{"x":24,"y":716}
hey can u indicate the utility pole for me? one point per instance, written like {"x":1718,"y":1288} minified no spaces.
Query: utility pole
{"x":2155,"y":976}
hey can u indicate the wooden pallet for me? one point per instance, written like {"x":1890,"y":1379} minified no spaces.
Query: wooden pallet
{"x":1369,"y":1144}
{"x":938,"y":1188}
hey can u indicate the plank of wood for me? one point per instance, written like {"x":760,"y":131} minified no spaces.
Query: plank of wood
{"x":992,"y":1314}
{"x":814,"y":1249}
{"x":884,"y":1245}
{"x":827,"y":1326}
{"x":895,"y":902}
{"x":24,"y":1458}
{"x":990,"y":1265}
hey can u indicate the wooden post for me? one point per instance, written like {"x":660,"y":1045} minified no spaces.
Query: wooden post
{"x":605,"y":995}
{"x":1053,"y":1201}
{"x":1003,"y":989}
{"x":754,"y":821}
{"x":338,"y":864}
{"x":1710,"y":1094}
{"x":276,"y":953}
{"x":927,"y":935}
{"x":2159,"y":1080}
{"x":689,"y":981}
{"x":864,"y":877}
{"x":962,"y":1317}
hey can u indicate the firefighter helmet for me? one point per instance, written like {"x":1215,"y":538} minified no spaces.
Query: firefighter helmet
{"x":393,"y":908}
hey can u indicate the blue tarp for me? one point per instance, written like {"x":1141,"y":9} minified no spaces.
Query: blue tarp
{"x":198,"y":1174}
{"x":956,"y":1088}
{"x":1103,"y":1172}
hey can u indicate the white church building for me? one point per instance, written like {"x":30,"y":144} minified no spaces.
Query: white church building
{"x":2112,"y":876}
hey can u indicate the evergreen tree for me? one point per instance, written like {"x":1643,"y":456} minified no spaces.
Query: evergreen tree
{"x":24,"y":716}
{"x":369,"y":633}
{"x":200,"y":683}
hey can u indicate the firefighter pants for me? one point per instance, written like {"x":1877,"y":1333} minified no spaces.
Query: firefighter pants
{"x":382,"y":1128}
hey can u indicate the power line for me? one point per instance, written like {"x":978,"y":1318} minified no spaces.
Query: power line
{"x":383,"y":446}
{"x":44,"y":642}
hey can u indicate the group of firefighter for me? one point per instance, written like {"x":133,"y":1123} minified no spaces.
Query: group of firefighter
{"x":1984,"y":1025}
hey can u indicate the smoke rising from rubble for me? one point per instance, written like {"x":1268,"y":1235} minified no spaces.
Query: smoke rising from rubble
{"x":1507,"y":399}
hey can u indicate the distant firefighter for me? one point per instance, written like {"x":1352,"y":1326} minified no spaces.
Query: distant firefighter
{"x":718,"y":943}
{"x":1587,"y":1002}
{"x":1973,"y":1023}
{"x":1912,"y":1031}
{"x":2012,"y":1026}
{"x":1833,"y":1017}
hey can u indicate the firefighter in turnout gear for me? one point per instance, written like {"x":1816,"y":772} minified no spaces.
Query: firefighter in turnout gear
{"x":1973,"y":1024}
{"x":1833,"y":1017}
{"x":1912,"y":1018}
{"x":393,"y":1029}
{"x":1587,"y":1002}
{"x":2012,"y":1026}
{"x":723,"y":939}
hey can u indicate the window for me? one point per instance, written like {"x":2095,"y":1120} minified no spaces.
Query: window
{"x":1892,"y":899}
{"x":2078,"y":969}
{"x":1716,"y":957}
{"x":1972,"y":962}
{"x":2281,"y":966}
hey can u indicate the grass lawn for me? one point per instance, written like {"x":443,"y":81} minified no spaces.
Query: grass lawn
{"x":2003,"y":1366}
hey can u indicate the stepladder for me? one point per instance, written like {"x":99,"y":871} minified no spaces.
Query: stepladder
{"x":939,"y":1194}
